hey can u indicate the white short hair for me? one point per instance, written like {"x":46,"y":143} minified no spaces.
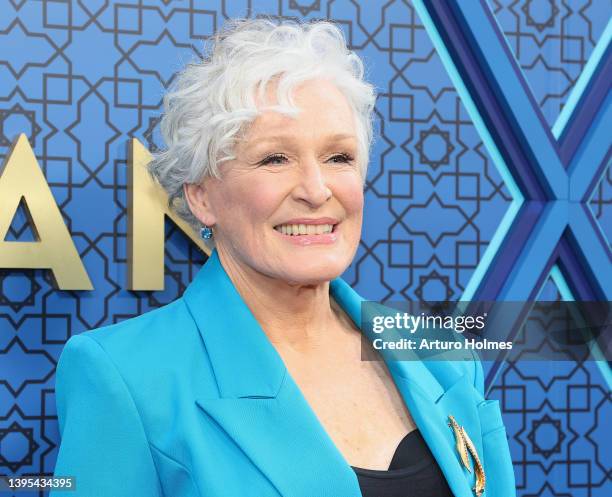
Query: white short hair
{"x":214,"y":99}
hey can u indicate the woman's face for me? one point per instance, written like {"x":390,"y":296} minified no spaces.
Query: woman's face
{"x":290,"y":205}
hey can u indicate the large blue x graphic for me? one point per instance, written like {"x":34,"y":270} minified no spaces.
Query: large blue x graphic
{"x":553,"y":176}
{"x":550,"y":173}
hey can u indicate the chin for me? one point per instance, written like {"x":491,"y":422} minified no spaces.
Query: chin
{"x":314,"y":270}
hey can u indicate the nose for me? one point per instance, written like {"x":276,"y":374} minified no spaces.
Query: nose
{"x":312,"y":186}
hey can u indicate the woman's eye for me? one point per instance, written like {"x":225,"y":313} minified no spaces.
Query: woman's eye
{"x":341,"y":158}
{"x":273,"y":159}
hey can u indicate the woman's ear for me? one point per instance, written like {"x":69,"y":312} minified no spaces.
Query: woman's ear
{"x":197,"y":196}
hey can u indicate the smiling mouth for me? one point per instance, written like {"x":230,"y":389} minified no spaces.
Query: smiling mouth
{"x":305,"y":229}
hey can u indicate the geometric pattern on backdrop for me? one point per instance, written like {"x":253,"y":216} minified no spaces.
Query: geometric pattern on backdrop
{"x":80,"y":78}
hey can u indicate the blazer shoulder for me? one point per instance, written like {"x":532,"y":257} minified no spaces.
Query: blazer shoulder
{"x":155,"y":354}
{"x":155,"y":327}
{"x":162,"y":337}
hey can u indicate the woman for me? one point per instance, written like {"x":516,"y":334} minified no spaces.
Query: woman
{"x":251,"y":384}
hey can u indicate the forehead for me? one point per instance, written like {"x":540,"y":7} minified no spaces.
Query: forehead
{"x":322,"y":110}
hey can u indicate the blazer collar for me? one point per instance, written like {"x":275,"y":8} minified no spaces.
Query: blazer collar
{"x":232,"y":335}
{"x":247,"y":368}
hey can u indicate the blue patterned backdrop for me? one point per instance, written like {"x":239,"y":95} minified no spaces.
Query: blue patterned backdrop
{"x":490,"y":178}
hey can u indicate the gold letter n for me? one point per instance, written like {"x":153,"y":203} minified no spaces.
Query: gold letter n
{"x":147,"y":208}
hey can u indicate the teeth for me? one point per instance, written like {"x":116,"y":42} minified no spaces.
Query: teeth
{"x":304,"y":229}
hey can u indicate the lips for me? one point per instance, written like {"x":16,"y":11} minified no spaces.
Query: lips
{"x":303,"y":232}
{"x":307,"y":226}
{"x":304,"y":229}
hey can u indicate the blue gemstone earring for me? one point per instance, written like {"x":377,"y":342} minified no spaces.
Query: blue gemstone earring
{"x":206,"y":233}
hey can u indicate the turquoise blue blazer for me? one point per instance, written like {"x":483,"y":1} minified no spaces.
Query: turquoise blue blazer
{"x":192,"y":400}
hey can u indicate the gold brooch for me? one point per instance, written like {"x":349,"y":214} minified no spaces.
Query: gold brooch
{"x":464,"y":444}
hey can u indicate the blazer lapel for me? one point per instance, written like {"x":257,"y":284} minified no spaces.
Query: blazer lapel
{"x":259,"y":406}
{"x":431,"y":418}
{"x":429,"y":402}
{"x":285,"y":440}
{"x":262,"y":410}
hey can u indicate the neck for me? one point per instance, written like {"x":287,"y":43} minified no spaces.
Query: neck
{"x":292,"y":315}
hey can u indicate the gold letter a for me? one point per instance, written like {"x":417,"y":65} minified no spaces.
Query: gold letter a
{"x":54,"y":249}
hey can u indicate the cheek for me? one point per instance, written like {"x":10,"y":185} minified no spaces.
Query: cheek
{"x":262,"y":199}
{"x":349,"y":191}
{"x":250,"y":201}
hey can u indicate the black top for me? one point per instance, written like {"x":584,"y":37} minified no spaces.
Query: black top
{"x":413,"y":472}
